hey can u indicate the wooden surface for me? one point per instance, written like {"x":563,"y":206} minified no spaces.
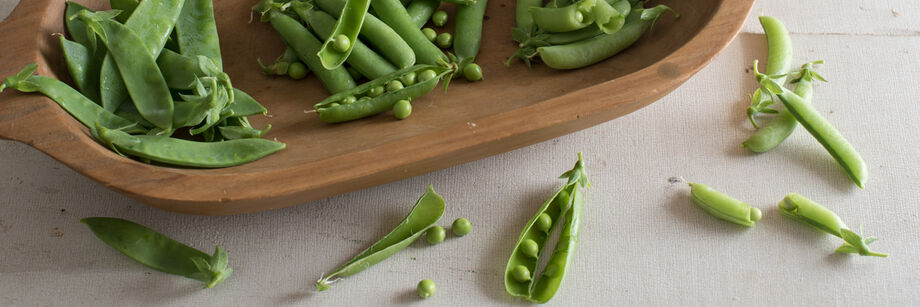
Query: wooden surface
{"x":643,"y":241}
{"x":515,"y":107}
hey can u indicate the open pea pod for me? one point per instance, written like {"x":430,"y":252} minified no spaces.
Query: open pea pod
{"x":343,"y":38}
{"x":564,"y":19}
{"x":426,"y":212}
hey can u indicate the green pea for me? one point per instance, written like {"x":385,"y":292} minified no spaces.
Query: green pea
{"x":376,"y":91}
{"x":408,"y":79}
{"x":297,"y":70}
{"x":341,"y":43}
{"x":333,"y":105}
{"x":364,"y":99}
{"x":530,"y":248}
{"x":461,"y":227}
{"x":444,"y":40}
{"x":439,"y":18}
{"x":579,"y":16}
{"x":435,"y":234}
{"x":394,"y":85}
{"x":426,"y":288}
{"x":349,"y":100}
{"x":521,"y":273}
{"x":402,"y":109}
{"x":430,"y":34}
{"x":426,"y":75}
{"x":472,"y":72}
{"x":544,"y":222}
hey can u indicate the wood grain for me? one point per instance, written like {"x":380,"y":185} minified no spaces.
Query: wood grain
{"x":514,"y":107}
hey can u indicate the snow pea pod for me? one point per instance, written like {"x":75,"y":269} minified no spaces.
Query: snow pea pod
{"x":76,"y":28}
{"x":825,"y":133}
{"x":520,"y":279}
{"x":179,"y":71}
{"x":564,"y":19}
{"x":394,"y":14}
{"x":426,"y":212}
{"x":245,"y":105}
{"x":344,"y":34}
{"x":819,"y":217}
{"x":421,"y":10}
{"x":777,"y":130}
{"x":306,"y":45}
{"x":722,"y":206}
{"x":83,"y":66}
{"x":335,"y":109}
{"x":378,"y":34}
{"x":160,"y":252}
{"x":779,"y":59}
{"x":367,"y":62}
{"x":126,"y":7}
{"x":468,"y":30}
{"x":196,"y":31}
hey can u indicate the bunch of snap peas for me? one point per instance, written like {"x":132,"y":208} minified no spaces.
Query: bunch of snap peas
{"x":342,"y":41}
{"x":567,"y":34}
{"x":146,"y":70}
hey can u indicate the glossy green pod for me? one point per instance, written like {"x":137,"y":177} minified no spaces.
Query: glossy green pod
{"x":724,"y":207}
{"x":348,"y":25}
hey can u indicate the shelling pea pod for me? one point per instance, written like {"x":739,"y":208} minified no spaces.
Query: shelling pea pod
{"x":84,"y":110}
{"x":563,"y":19}
{"x":367,"y":62}
{"x":344,"y":36}
{"x":160,"y":252}
{"x":777,"y":130}
{"x":306,"y":45}
{"x":196,"y":31}
{"x":519,"y":273}
{"x":331,"y":110}
{"x":395,"y":15}
{"x":724,"y":207}
{"x":421,"y":10}
{"x":818,"y":217}
{"x":821,"y":129}
{"x":426,"y":212}
{"x":378,"y":34}
{"x":779,"y":59}
{"x":172,"y":151}
{"x":622,"y":6}
{"x":590,"y":51}
{"x":468,"y":31}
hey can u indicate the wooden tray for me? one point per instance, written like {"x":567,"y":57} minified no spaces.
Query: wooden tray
{"x":514,"y":107}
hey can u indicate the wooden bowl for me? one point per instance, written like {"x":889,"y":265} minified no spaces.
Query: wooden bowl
{"x":514,"y":107}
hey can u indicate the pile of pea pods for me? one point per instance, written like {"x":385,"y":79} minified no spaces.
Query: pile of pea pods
{"x":147,"y":70}
{"x":566,"y":34}
{"x":345,"y":42}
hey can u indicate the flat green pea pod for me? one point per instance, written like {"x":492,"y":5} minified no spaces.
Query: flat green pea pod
{"x":818,"y":217}
{"x":564,"y":19}
{"x":245,"y":105}
{"x":83,"y":66}
{"x":296,"y":36}
{"x":820,"y":128}
{"x":520,"y":277}
{"x":126,"y":7}
{"x":777,"y":130}
{"x":160,"y":252}
{"x":84,"y":110}
{"x":724,"y":207}
{"x":172,"y":151}
{"x":779,"y":59}
{"x":196,"y":31}
{"x":179,"y":71}
{"x":425,"y":214}
{"x":378,"y":34}
{"x":345,"y":34}
{"x":394,"y":14}
{"x":334,"y":109}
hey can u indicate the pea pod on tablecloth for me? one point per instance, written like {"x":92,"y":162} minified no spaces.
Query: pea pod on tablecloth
{"x":818,"y":217}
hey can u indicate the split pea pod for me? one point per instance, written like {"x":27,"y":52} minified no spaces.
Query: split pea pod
{"x":394,"y":14}
{"x":306,"y":45}
{"x":825,"y":133}
{"x":378,"y":34}
{"x":564,"y":19}
{"x":421,"y":10}
{"x":426,"y":212}
{"x":363,"y":100}
{"x":777,"y":130}
{"x":367,"y":62}
{"x":818,"y":217}
{"x":468,"y":30}
{"x":724,"y":207}
{"x":622,"y":6}
{"x":344,"y":36}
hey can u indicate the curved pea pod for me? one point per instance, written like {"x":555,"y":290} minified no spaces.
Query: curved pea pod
{"x":160,"y":252}
{"x":468,"y":30}
{"x":818,"y":217}
{"x":395,"y":15}
{"x":172,"y":151}
{"x":783,"y":124}
{"x":421,"y":10}
{"x":348,"y":25}
{"x":427,"y":211}
{"x":296,"y":36}
{"x":362,"y":108}
{"x":522,"y":17}
{"x":378,"y":34}
{"x":564,"y":19}
{"x":245,"y":105}
{"x":722,"y":206}
{"x":83,"y":66}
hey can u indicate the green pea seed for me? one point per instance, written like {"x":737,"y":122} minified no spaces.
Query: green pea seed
{"x":341,"y":43}
{"x":402,"y":109}
{"x":544,"y":222}
{"x":521,"y":273}
{"x":530,"y":248}
{"x":426,"y":75}
{"x":472,"y":72}
{"x":430,"y":34}
{"x":461,"y":227}
{"x":333,"y":105}
{"x":444,"y":40}
{"x":376,"y":91}
{"x":349,"y":100}
{"x":426,"y":288}
{"x":408,"y":79}
{"x":297,"y":70}
{"x":364,"y":99}
{"x":435,"y":235}
{"x":439,"y":18}
{"x":394,"y":85}
{"x":579,"y":16}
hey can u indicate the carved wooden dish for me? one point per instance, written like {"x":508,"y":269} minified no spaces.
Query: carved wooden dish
{"x":514,"y":107}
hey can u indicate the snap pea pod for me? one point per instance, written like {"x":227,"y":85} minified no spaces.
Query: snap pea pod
{"x":237,"y":132}
{"x":520,"y":277}
{"x":722,"y":206}
{"x":468,"y":30}
{"x":344,"y":33}
{"x":395,"y":15}
{"x":564,"y":19}
{"x":426,"y":212}
{"x":378,"y":34}
{"x":823,"y":131}
{"x":777,"y":130}
{"x":179,"y":71}
{"x":84,"y":110}
{"x":421,"y":10}
{"x":196,"y":31}
{"x":599,"y":48}
{"x":160,"y":252}
{"x":83,"y":66}
{"x":138,"y":68}
{"x":819,"y":217}
{"x":129,"y":112}
{"x":334,"y":109}
{"x":779,"y":59}
{"x":126,"y":7}
{"x":367,"y":62}
{"x":522,"y":17}
{"x":622,"y":6}
{"x":172,"y":151}
{"x":306,"y":45}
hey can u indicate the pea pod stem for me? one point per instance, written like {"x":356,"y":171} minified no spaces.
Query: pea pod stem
{"x":779,"y":60}
{"x":810,"y":213}
{"x":781,"y":127}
